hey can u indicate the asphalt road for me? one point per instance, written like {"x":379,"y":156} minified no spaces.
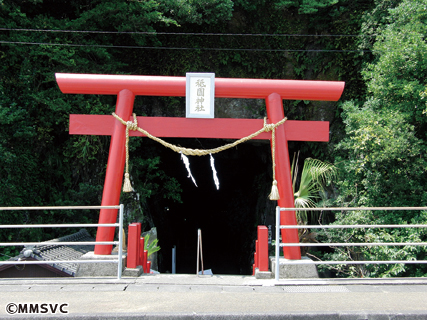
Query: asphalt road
{"x":212,"y":297}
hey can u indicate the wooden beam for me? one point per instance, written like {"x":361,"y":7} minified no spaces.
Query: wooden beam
{"x":217,"y":128}
{"x":175,"y":86}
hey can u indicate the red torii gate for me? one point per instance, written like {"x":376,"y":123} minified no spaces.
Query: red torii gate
{"x":127,"y":87}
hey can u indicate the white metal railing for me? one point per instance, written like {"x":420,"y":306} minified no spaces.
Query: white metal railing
{"x":278,"y":244}
{"x":119,"y":243}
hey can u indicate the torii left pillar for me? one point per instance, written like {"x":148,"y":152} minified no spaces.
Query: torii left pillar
{"x":127,"y":87}
{"x":113,"y":177}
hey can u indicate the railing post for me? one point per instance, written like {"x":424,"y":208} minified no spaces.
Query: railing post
{"x":277,"y":267}
{"x":174,"y":259}
{"x":120,"y":262}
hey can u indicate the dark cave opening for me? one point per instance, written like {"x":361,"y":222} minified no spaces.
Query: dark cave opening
{"x":227,"y":217}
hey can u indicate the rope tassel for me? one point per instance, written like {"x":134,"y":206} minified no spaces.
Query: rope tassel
{"x":274,"y":195}
{"x":127,"y":187}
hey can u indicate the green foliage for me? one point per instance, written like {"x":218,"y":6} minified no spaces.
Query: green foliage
{"x":8,"y":252}
{"x":381,"y":253}
{"x":380,"y":144}
{"x":381,"y":159}
{"x":382,"y":167}
{"x":40,"y":163}
{"x":199,"y":12}
{"x":307,"y":6}
{"x":374,"y":20}
{"x":397,"y":76}
{"x":382,"y":164}
{"x":314,"y":178}
{"x":150,"y":246}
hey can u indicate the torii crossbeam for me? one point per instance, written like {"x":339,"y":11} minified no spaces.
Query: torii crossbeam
{"x":127,"y":87}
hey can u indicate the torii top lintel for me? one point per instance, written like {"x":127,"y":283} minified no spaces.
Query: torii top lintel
{"x":175,"y":86}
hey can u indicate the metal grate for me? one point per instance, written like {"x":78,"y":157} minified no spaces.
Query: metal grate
{"x":314,"y":289}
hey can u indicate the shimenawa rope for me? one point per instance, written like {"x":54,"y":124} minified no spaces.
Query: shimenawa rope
{"x":127,"y":187}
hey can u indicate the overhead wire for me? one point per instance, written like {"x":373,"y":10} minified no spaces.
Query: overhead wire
{"x":180,"y":34}
{"x":177,"y":48}
{"x":186,"y":33}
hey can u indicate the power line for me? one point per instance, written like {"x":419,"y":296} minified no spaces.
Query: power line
{"x":177,"y":48}
{"x":187,"y":33}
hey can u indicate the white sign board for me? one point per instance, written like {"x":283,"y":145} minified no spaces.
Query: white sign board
{"x":200,"y":95}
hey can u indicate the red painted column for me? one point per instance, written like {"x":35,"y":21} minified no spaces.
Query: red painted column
{"x":114,"y":175}
{"x":141,"y":251}
{"x":256,"y":254}
{"x":145,"y":262}
{"x":262,"y":248}
{"x":275,"y":113}
{"x":133,"y":246}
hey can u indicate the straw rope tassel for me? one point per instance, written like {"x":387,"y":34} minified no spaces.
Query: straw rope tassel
{"x":274,"y":195}
{"x":127,"y":186}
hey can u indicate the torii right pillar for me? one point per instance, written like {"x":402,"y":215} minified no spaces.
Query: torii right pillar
{"x":275,"y":113}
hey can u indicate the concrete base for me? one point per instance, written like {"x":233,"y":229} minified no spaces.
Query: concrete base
{"x":288,"y":269}
{"x":133,"y":272}
{"x":263,"y":274}
{"x":103,"y":269}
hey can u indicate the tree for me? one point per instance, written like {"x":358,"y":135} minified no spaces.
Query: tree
{"x":307,"y":6}
{"x":397,"y":75}
{"x":381,"y":160}
{"x":315,"y":176}
{"x":382,"y":167}
{"x":40,"y":164}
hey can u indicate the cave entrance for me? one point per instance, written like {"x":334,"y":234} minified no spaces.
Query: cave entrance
{"x":227,"y":217}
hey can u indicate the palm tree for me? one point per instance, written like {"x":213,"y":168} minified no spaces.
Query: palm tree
{"x":315,"y":176}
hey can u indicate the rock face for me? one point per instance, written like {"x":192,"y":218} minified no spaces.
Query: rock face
{"x":239,"y":108}
{"x":224,"y":107}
